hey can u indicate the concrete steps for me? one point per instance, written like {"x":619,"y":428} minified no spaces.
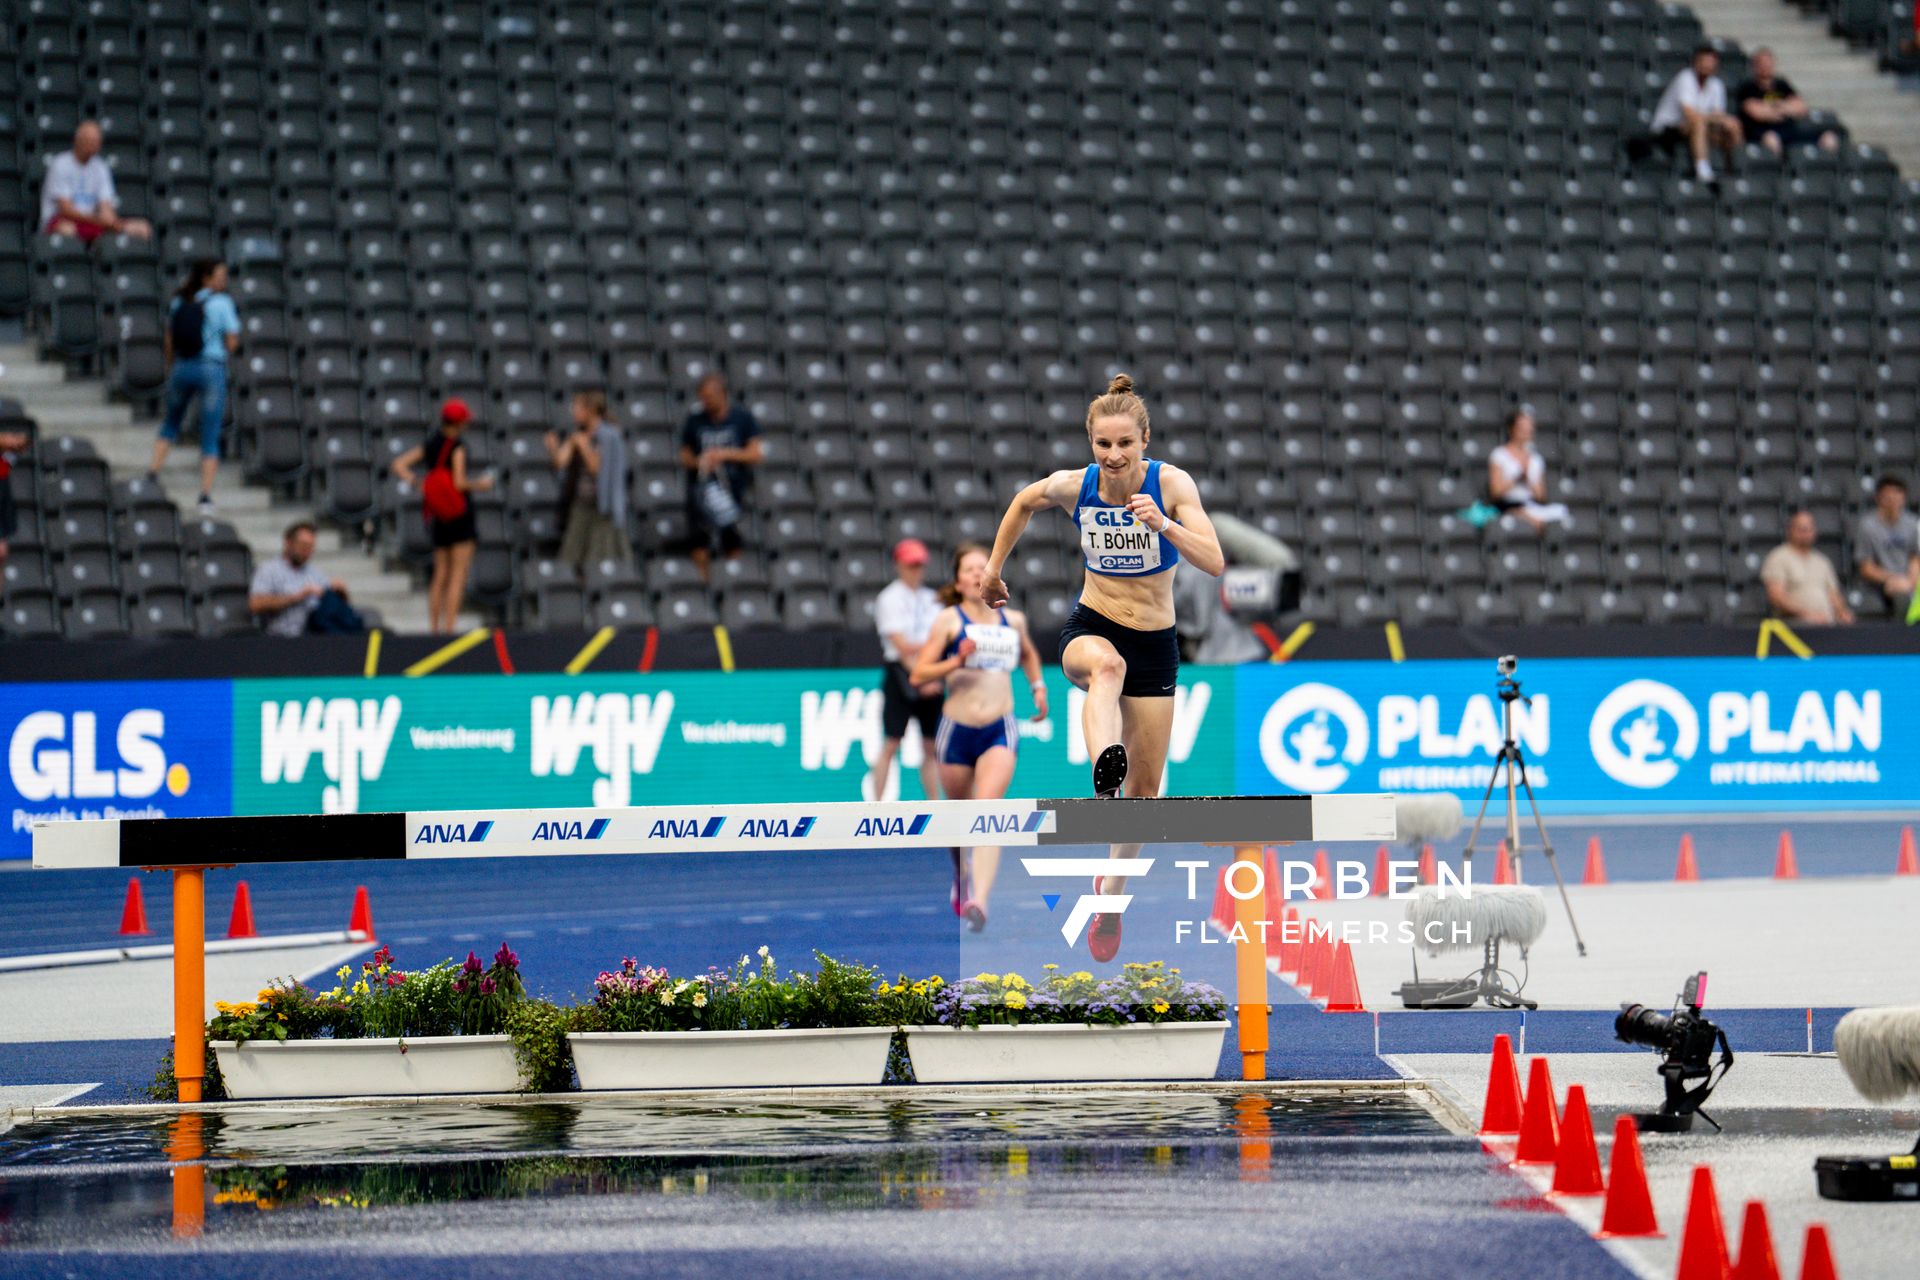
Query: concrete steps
{"x":81,"y":408}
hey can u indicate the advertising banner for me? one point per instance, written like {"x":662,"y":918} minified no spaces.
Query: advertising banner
{"x":454,"y":742}
{"x":120,"y":750}
{"x":1600,"y":735}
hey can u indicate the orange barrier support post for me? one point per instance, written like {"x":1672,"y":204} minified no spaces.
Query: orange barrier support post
{"x":189,"y":980}
{"x":189,"y":1180}
{"x":1250,"y":967}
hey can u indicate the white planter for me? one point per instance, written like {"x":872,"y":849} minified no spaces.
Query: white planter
{"x":1069,"y":1051}
{"x":730,"y":1059}
{"x":368,"y":1068}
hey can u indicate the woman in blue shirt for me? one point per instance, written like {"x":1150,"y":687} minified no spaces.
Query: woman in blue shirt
{"x":197,"y":355}
{"x":1136,"y":518}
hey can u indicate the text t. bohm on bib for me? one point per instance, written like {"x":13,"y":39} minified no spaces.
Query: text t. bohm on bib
{"x":1114,"y":543}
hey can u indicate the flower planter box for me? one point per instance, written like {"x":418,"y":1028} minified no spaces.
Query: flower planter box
{"x":730,"y":1059}
{"x":368,"y":1068}
{"x":1069,"y":1051}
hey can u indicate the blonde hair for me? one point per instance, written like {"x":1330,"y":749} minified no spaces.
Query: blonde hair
{"x":1119,"y":401}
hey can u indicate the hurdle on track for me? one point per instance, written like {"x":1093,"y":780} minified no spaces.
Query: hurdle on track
{"x":188,"y":847}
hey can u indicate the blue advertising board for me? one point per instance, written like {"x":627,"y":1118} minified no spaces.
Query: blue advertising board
{"x":1600,"y":735}
{"x":135,"y":749}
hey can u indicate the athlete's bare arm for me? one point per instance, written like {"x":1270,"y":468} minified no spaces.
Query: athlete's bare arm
{"x":1184,"y":523}
{"x":929,"y":666}
{"x":1056,"y":490}
{"x":1030,"y":664}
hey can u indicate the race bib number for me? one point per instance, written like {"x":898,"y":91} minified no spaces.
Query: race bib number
{"x":1115,"y":542}
{"x":995,"y":648}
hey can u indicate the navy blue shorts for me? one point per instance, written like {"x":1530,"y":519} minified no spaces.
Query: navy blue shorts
{"x":964,"y":744}
{"x":1152,"y":657}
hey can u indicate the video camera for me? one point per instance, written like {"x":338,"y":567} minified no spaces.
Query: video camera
{"x":1685,"y":1039}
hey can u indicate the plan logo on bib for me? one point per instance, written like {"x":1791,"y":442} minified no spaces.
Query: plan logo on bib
{"x":1313,"y":737}
{"x":1643,"y":732}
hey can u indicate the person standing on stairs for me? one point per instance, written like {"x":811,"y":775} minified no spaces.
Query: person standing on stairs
{"x":203,"y":330}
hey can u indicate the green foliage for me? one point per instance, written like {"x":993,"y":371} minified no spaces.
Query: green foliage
{"x":165,"y":1087}
{"x":539,"y":1029}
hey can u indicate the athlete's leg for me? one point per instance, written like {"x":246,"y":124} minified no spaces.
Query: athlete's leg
{"x":459,"y":564}
{"x":1148,"y":728}
{"x":956,"y":780}
{"x":991,"y":775}
{"x":437,"y":586}
{"x":929,"y":769}
{"x":1095,"y":665}
{"x":883,"y":765}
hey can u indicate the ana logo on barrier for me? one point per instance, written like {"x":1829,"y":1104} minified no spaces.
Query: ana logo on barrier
{"x":1312,"y":737}
{"x":893,"y":826}
{"x":1643,"y":732}
{"x":776,"y":828}
{"x":571,"y":830}
{"x":999,"y":824}
{"x":686,"y":828}
{"x":453,"y":833}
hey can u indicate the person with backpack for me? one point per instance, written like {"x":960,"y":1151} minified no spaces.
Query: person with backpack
{"x":203,"y":330}
{"x":448,"y":511}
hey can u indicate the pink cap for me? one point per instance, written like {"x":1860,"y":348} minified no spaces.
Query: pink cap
{"x":910,"y":551}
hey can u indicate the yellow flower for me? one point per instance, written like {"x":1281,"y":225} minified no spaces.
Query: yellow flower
{"x":1082,"y":976}
{"x":1014,"y":1000}
{"x":222,"y":1006}
{"x":992,"y":979}
{"x":886,"y":988}
{"x":1161,"y":1006}
{"x":936,"y":981}
{"x":1049,"y":967}
{"x":343,"y":971}
{"x":283,"y":1017}
{"x":360,"y":987}
{"x":699,"y":999}
{"x":919,"y":988}
{"x":1017,"y":983}
{"x":666,"y":995}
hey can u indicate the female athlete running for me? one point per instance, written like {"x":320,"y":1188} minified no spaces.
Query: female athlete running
{"x":975,"y":649}
{"x":1136,"y":520}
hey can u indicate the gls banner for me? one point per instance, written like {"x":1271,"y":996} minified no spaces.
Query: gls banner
{"x":120,"y":750}
{"x":1668,"y":734}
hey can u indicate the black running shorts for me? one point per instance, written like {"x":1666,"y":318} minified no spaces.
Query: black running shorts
{"x":1152,"y":657}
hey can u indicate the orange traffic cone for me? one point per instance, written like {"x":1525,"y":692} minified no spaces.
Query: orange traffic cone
{"x":1292,"y":929}
{"x":1785,"y":867}
{"x":1909,"y":864}
{"x":1576,"y":1165}
{"x":1703,"y":1240}
{"x":1596,"y":872}
{"x":240,"y":923}
{"x":1502,"y":865}
{"x":1429,"y":865}
{"x":1312,"y":960}
{"x":1756,"y":1246}
{"x":1685,"y":868}
{"x":1322,"y":877}
{"x":1380,"y":873}
{"x":1817,"y":1264}
{"x":1501,"y":1114}
{"x":1343,"y":995}
{"x":362,"y":921}
{"x":133,"y":913}
{"x":1629,"y":1208}
{"x":1539,"y":1118}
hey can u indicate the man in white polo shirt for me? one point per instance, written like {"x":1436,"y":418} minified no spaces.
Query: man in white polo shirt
{"x":1693,"y":111}
{"x":78,"y":198}
{"x":903,"y":614}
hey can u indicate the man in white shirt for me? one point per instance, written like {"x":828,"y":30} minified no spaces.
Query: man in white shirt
{"x":1694,"y":110}
{"x":903,"y":614}
{"x":78,"y":198}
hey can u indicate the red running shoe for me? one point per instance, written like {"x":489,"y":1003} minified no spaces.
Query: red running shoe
{"x":1103,"y":935}
{"x":962,"y":891}
{"x":975,"y":914}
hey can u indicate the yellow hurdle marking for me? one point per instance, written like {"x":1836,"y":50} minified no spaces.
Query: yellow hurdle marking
{"x":723,"y":642}
{"x":373,"y":654}
{"x":447,"y":653}
{"x":583,"y":659}
{"x":1771,"y":627}
{"x":1395,"y":650}
{"x":1291,"y":645}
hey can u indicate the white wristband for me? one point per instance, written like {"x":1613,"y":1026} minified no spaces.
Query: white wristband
{"x":1038,"y":686}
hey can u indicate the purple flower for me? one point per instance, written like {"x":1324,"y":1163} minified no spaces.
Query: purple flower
{"x":459,"y":986}
{"x":486,"y":986}
{"x":505,"y":959}
{"x":473,"y":963}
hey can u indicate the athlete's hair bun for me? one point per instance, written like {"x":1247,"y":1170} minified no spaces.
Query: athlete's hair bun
{"x":1121,"y":385}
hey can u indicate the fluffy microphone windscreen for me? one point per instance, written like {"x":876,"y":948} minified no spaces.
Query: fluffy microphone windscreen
{"x":1431,"y":817}
{"x":1880,"y":1049}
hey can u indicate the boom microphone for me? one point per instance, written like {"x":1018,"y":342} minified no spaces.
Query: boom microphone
{"x":1880,"y":1050}
{"x":1424,"y":818}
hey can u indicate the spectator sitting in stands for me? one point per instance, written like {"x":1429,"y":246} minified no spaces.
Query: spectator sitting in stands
{"x":1887,"y":545}
{"x":78,"y":199}
{"x":1800,"y":581}
{"x":1772,"y":111}
{"x":288,"y":589}
{"x":1693,"y":113}
{"x":1517,"y":478}
{"x":592,"y":463}
{"x":719,"y":447}
{"x":11,"y":442}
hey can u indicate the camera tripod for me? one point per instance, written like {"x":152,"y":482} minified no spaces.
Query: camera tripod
{"x":1515,"y":765}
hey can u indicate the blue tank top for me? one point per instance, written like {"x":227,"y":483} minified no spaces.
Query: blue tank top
{"x":996,"y":645}
{"x":1114,"y":543}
